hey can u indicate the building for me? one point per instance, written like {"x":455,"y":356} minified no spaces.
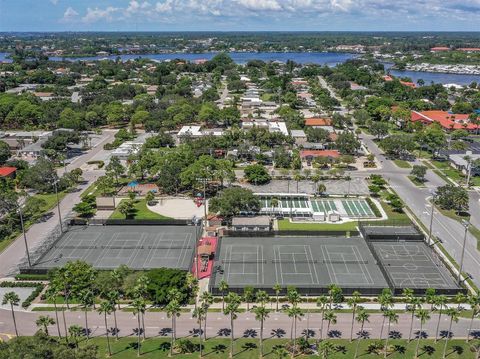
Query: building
{"x":310,"y":155}
{"x":271,"y":125}
{"x":8,"y":172}
{"x":258,"y":223}
{"x":299,"y":136}
{"x":447,"y":120}
{"x":462,"y":162}
{"x":439,"y":49}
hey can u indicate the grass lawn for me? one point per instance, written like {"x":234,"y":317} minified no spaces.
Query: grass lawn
{"x":416,"y":182}
{"x":140,"y":212}
{"x":402,"y":164}
{"x":125,"y":348}
{"x":286,"y":225}
{"x":50,"y":201}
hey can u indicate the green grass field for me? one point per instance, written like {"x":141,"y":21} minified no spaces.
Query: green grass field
{"x":402,"y":164}
{"x":286,"y":225}
{"x":416,"y":182}
{"x":140,"y":212}
{"x":125,"y":348}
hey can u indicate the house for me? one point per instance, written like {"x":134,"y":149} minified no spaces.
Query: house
{"x":461,"y":162}
{"x":469,"y":49}
{"x":447,"y":120}
{"x":257,"y":223}
{"x":8,"y":172}
{"x":299,"y":136}
{"x":310,"y":155}
{"x":439,"y":49}
{"x":317,"y":122}
{"x":271,"y":125}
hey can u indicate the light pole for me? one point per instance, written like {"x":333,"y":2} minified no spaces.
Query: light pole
{"x":55,"y":185}
{"x":20,"y":212}
{"x":431,"y":217}
{"x":466,"y":224}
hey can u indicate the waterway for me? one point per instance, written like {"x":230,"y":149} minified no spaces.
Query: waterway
{"x":320,"y":58}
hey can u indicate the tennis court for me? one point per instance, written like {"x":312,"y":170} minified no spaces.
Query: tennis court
{"x":308,"y":263}
{"x":357,"y":208}
{"x":323,"y":206}
{"x":413,"y":264}
{"x":138,"y":247}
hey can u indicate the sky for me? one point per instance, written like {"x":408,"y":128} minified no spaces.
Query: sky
{"x":239,"y":15}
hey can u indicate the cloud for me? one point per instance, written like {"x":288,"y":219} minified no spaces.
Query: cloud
{"x":54,"y":2}
{"x":69,"y":15}
{"x":97,"y":14}
{"x":240,"y":11}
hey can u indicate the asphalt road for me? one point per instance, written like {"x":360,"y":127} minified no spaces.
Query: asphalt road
{"x":36,"y":234}
{"x":157,"y":323}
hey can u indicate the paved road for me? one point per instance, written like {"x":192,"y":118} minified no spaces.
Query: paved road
{"x":12,"y":256}
{"x":450,"y":231}
{"x":157,"y":323}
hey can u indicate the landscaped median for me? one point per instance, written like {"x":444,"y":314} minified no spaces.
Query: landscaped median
{"x":139,"y":211}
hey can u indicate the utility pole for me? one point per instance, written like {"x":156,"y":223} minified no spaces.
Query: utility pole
{"x":431,"y":219}
{"x":466,"y":224}
{"x":58,"y":205}
{"x":24,"y":234}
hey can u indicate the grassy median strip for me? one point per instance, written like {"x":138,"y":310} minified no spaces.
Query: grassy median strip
{"x":402,"y":164}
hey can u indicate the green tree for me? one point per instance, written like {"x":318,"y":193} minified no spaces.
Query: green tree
{"x":326,"y":348}
{"x":353,"y":302}
{"x":173,"y":311}
{"x":423,"y":316}
{"x":87,"y":298}
{"x":206,"y":300}
{"x":75,"y":332}
{"x":139,"y":307}
{"x":248,"y":296}
{"x":44,"y":321}
{"x":115,"y":169}
{"x":277,"y":288}
{"x":296,"y":314}
{"x":231,"y":201}
{"x":439,"y":304}
{"x":200,"y":314}
{"x":474,"y":301}
{"x":113,"y":297}
{"x":232,"y":309}
{"x":256,"y":174}
{"x":450,"y":197}
{"x":331,"y":318}
{"x":392,"y":318}
{"x":4,"y":152}
{"x":419,"y":172}
{"x":126,"y":208}
{"x":362,"y":317}
{"x":347,"y":143}
{"x":261,"y":313}
{"x":105,"y":308}
{"x":386,"y":302}
{"x":453,"y":314}
{"x":322,"y":303}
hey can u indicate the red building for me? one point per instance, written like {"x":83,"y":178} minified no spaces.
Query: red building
{"x":448,"y":121}
{"x":7,"y":172}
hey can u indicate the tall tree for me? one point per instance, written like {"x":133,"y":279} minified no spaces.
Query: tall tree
{"x":232,"y":309}
{"x":392,"y":318}
{"x":352,"y":302}
{"x":261,"y":313}
{"x":362,"y":317}
{"x":13,"y":299}
{"x":200,"y":314}
{"x":44,"y":321}
{"x":223,"y":287}
{"x":139,"y":306}
{"x":423,"y":316}
{"x":440,"y":303}
{"x":173,"y":311}
{"x":453,"y":314}
{"x":277,"y":288}
{"x":105,"y":309}
{"x":322,"y":303}
{"x":206,"y":300}
{"x":87,"y":299}
{"x":474,"y":301}
{"x":296,"y":314}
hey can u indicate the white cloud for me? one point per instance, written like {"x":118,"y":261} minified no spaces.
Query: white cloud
{"x":165,"y":6}
{"x":261,"y":5}
{"x":69,"y":15}
{"x":54,"y":2}
{"x":98,"y":14}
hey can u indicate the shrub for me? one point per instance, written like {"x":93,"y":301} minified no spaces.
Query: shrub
{"x":374,"y":207}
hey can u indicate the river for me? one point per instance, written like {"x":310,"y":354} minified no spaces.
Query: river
{"x":320,"y":58}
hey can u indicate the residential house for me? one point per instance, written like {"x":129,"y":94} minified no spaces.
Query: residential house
{"x":299,"y":136}
{"x":447,"y":120}
{"x":8,"y":172}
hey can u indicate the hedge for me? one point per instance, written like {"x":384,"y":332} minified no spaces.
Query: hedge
{"x":374,"y":207}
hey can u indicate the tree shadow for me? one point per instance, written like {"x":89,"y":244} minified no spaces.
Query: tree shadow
{"x":334,"y":334}
{"x":394,"y":334}
{"x":278,"y":333}
{"x":475,"y":334}
{"x":248,"y":346}
{"x":400,"y":349}
{"x":422,"y":334}
{"x":165,"y":331}
{"x":364,"y":334}
{"x":456,"y":349}
{"x":217,"y":349}
{"x":428,"y":349}
{"x":137,"y":331}
{"x":224,"y":332}
{"x":445,"y":334}
{"x":250,"y":333}
{"x":195,"y":332}
{"x":310,"y":333}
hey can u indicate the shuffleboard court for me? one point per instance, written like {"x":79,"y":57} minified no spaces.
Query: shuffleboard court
{"x":139,"y":247}
{"x":308,"y":263}
{"x":412,"y":264}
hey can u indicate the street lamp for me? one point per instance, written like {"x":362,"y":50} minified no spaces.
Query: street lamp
{"x":466,"y":224}
{"x":55,"y":186}
{"x":434,"y":194}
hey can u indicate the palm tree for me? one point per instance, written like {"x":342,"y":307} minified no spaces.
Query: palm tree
{"x":192,"y":284}
{"x":326,"y":348}
{"x":352,"y":302}
{"x":232,"y":309}
{"x":280,"y":352}
{"x":139,"y":306}
{"x":75,"y":331}
{"x":453,"y":313}
{"x":13,"y":299}
{"x":430,"y":297}
{"x":261,"y":313}
{"x":413,"y":304}
{"x":386,"y":302}
{"x":334,"y":293}
{"x":277,"y":289}
{"x":87,"y":299}
{"x":52,"y":296}
{"x":297,"y":177}
{"x":105,"y":309}
{"x":207,"y":300}
{"x":474,"y":301}
{"x":274,"y":204}
{"x":322,"y":302}
{"x":439,"y":303}
{"x":295,"y":313}
{"x":248,"y":296}
{"x":330,"y":317}
{"x":392,"y":318}
{"x":173,"y":311}
{"x":293,"y":296}
{"x":362,"y":317}
{"x":223,"y":287}
{"x":422,"y":315}
{"x":44,"y":321}
{"x":201,"y":314}
{"x":113,"y":297}
{"x":460,"y":298}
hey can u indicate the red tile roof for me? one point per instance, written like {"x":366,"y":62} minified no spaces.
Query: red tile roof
{"x":469,"y":49}
{"x":408,"y":84}
{"x":387,"y":78}
{"x":320,"y":153}
{"x":7,"y":171}
{"x":318,"y":121}
{"x":445,"y":119}
{"x":440,"y":48}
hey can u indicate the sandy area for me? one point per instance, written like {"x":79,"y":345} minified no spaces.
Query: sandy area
{"x":179,"y":208}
